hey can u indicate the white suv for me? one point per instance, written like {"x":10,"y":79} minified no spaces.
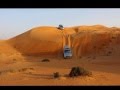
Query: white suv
{"x":67,"y":52}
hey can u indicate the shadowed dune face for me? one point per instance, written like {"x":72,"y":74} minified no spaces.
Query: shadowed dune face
{"x":84,"y":41}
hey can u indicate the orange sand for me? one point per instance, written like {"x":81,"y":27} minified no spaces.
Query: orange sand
{"x":96,"y":48}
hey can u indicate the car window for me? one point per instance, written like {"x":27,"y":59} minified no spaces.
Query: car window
{"x":67,"y":51}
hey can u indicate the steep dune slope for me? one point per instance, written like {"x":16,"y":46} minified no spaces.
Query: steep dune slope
{"x":84,"y":41}
{"x":41,"y":41}
{"x":96,"y":40}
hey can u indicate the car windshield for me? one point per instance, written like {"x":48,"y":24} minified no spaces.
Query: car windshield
{"x":67,"y":51}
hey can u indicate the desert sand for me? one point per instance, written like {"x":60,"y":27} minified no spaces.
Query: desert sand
{"x":95,"y":48}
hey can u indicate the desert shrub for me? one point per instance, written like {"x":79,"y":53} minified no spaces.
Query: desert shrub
{"x":31,"y":68}
{"x":22,"y":70}
{"x":84,"y":72}
{"x":25,"y":69}
{"x":56,"y":75}
{"x":45,"y":60}
{"x":79,"y":71}
{"x":73,"y":72}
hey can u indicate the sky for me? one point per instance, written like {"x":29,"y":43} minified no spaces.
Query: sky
{"x":16,"y":21}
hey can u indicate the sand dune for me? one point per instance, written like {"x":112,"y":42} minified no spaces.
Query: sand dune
{"x":41,"y":41}
{"x":84,"y":40}
{"x":96,"y":48}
